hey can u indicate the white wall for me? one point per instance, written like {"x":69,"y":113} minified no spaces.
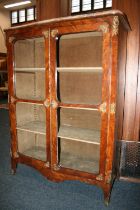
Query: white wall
{"x":4,"y":23}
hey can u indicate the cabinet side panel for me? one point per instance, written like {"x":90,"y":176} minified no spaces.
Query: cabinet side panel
{"x":121,"y":80}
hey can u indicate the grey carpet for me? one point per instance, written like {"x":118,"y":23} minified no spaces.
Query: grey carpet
{"x":29,"y":190}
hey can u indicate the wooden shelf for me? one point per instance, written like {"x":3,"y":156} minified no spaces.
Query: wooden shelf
{"x":80,"y":69}
{"x":30,"y":98}
{"x":73,"y":162}
{"x":28,"y":69}
{"x":34,"y":127}
{"x":36,"y":152}
{"x":79,"y":134}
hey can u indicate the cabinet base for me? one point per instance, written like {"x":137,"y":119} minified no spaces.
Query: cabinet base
{"x":58,"y":176}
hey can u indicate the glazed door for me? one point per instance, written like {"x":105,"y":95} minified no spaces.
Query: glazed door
{"x":29,"y":90}
{"x":80,"y":98}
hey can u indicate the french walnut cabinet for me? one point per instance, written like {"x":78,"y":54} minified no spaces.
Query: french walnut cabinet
{"x":63,"y":94}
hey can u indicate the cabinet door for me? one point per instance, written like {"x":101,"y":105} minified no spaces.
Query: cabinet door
{"x":80,"y":97}
{"x":30,"y":92}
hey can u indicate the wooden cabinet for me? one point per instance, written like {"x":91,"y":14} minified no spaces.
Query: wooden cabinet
{"x":63,"y":95}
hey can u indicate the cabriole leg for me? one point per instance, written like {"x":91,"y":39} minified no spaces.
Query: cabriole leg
{"x":13,"y":166}
{"x":107,"y":193}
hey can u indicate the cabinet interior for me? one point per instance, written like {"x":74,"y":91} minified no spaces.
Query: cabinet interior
{"x":32,"y":144}
{"x":80,"y":68}
{"x":31,"y":129}
{"x":80,"y":50}
{"x":79,"y":81}
{"x":75,"y":87}
{"x":79,"y":139}
{"x":79,"y":155}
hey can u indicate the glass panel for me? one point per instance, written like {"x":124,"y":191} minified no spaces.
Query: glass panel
{"x":14,"y":17}
{"x":31,"y":130}
{"x":108,"y":3}
{"x":79,"y":77}
{"x":32,"y":144}
{"x":30,"y":69}
{"x":22,"y":15}
{"x":86,"y":5}
{"x":30,"y":85}
{"x":81,"y":50}
{"x":30,"y":14}
{"x":80,"y":87}
{"x":79,"y":139}
{"x":75,"y":6}
{"x":79,"y":156}
{"x":80,"y":68}
{"x":98,"y":4}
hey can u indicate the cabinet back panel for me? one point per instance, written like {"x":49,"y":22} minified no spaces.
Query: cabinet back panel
{"x":81,"y":49}
{"x":26,"y":112}
{"x":39,"y":53}
{"x":79,"y":156}
{"x":80,"y":118}
{"x":31,"y":144}
{"x":24,"y":54}
{"x":80,"y":149}
{"x":29,"y":53}
{"x":79,"y":87}
{"x":30,"y":85}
